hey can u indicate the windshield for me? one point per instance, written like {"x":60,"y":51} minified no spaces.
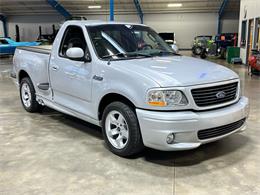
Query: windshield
{"x":118,"y":41}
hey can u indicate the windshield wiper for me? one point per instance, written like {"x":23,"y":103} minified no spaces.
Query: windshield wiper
{"x":138,"y":54}
{"x":161,"y":52}
{"x":127,"y":55}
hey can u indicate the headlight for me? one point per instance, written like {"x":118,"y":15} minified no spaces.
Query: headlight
{"x":166,"y":98}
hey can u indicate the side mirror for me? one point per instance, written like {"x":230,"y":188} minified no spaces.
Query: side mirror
{"x":75,"y":53}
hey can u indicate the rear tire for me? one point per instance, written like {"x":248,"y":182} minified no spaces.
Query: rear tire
{"x":121,"y":130}
{"x":28,"y":97}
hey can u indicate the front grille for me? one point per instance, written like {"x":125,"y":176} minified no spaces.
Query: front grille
{"x":209,"y":96}
{"x":218,"y":131}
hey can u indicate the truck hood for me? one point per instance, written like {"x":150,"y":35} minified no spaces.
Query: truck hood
{"x":179,"y":70}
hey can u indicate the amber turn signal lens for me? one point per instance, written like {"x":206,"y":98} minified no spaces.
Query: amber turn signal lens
{"x":157,"y":103}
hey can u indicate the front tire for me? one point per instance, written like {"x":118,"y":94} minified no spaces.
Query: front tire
{"x":197,"y":50}
{"x":28,"y":97}
{"x":223,"y":54}
{"x":121,"y":130}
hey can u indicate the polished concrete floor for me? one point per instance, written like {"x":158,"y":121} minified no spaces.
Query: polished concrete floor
{"x":55,"y":154}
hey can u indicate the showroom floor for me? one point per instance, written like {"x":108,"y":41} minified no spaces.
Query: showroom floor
{"x":52,"y":153}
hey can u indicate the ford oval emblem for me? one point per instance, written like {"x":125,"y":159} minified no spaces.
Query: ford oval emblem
{"x":221,"y":94}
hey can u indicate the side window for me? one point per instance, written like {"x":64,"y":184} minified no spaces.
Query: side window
{"x":73,"y":37}
{"x":3,"y":42}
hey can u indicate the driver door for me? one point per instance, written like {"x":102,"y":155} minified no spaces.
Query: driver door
{"x":71,"y":79}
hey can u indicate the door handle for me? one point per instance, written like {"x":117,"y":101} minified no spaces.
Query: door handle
{"x":55,"y":67}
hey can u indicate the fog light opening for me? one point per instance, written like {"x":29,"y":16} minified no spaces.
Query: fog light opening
{"x":170,"y":138}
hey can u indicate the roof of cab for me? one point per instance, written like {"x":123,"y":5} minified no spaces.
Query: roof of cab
{"x":98,"y":22}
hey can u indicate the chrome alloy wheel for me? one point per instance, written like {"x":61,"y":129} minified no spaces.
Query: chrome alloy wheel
{"x":26,"y":95}
{"x":116,"y":129}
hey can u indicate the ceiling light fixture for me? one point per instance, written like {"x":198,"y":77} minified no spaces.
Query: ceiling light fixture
{"x":174,"y":5}
{"x":94,"y":6}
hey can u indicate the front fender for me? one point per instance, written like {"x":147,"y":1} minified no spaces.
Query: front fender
{"x":132,"y":85}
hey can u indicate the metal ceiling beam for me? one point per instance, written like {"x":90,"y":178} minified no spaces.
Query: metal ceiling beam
{"x":111,"y":5}
{"x":59,"y":8}
{"x":139,"y":10}
{"x":220,"y":14}
{"x":4,"y":21}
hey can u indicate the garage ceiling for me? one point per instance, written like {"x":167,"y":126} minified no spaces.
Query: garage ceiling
{"x":80,"y":7}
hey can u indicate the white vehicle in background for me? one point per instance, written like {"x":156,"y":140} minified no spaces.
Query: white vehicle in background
{"x":126,"y":79}
{"x":169,"y":38}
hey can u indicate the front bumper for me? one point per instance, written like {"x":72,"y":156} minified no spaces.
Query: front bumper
{"x":156,"y":126}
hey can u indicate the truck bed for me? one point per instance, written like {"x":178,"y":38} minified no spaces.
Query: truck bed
{"x":34,"y":61}
{"x":45,"y":49}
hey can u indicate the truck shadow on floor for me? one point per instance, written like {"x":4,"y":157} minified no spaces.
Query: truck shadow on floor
{"x":233,"y":147}
{"x":77,"y":124}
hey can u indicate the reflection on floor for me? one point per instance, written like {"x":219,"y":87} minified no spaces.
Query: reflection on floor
{"x":52,"y":153}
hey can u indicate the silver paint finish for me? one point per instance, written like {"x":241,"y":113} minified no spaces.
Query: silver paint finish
{"x":185,"y":124}
{"x":74,"y":91}
{"x":116,"y":129}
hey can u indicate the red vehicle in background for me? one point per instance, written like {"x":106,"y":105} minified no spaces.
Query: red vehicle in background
{"x":254,"y":62}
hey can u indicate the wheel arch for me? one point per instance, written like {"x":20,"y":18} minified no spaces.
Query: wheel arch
{"x":112,"y":97}
{"x":22,"y":74}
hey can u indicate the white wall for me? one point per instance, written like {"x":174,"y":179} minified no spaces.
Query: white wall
{"x":122,"y":18}
{"x":185,"y":25}
{"x":230,"y":25}
{"x":230,"y":22}
{"x":29,"y":25}
{"x":252,"y":8}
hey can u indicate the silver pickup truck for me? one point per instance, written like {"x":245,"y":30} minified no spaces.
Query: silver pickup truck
{"x":126,"y":79}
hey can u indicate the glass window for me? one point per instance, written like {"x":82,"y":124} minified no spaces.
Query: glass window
{"x":129,"y":40}
{"x":243,"y":34}
{"x":3,"y":42}
{"x":73,"y":37}
{"x":167,"y":36}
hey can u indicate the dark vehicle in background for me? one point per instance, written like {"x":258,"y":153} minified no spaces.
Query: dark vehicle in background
{"x":169,"y":38}
{"x":225,"y":40}
{"x":199,"y":43}
{"x":218,"y":46}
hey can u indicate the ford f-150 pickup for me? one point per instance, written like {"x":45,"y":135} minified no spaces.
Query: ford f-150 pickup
{"x":126,"y":79}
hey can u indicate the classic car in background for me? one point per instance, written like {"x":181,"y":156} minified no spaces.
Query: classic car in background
{"x":199,"y":43}
{"x":8,"y":46}
{"x":217,"y":47}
